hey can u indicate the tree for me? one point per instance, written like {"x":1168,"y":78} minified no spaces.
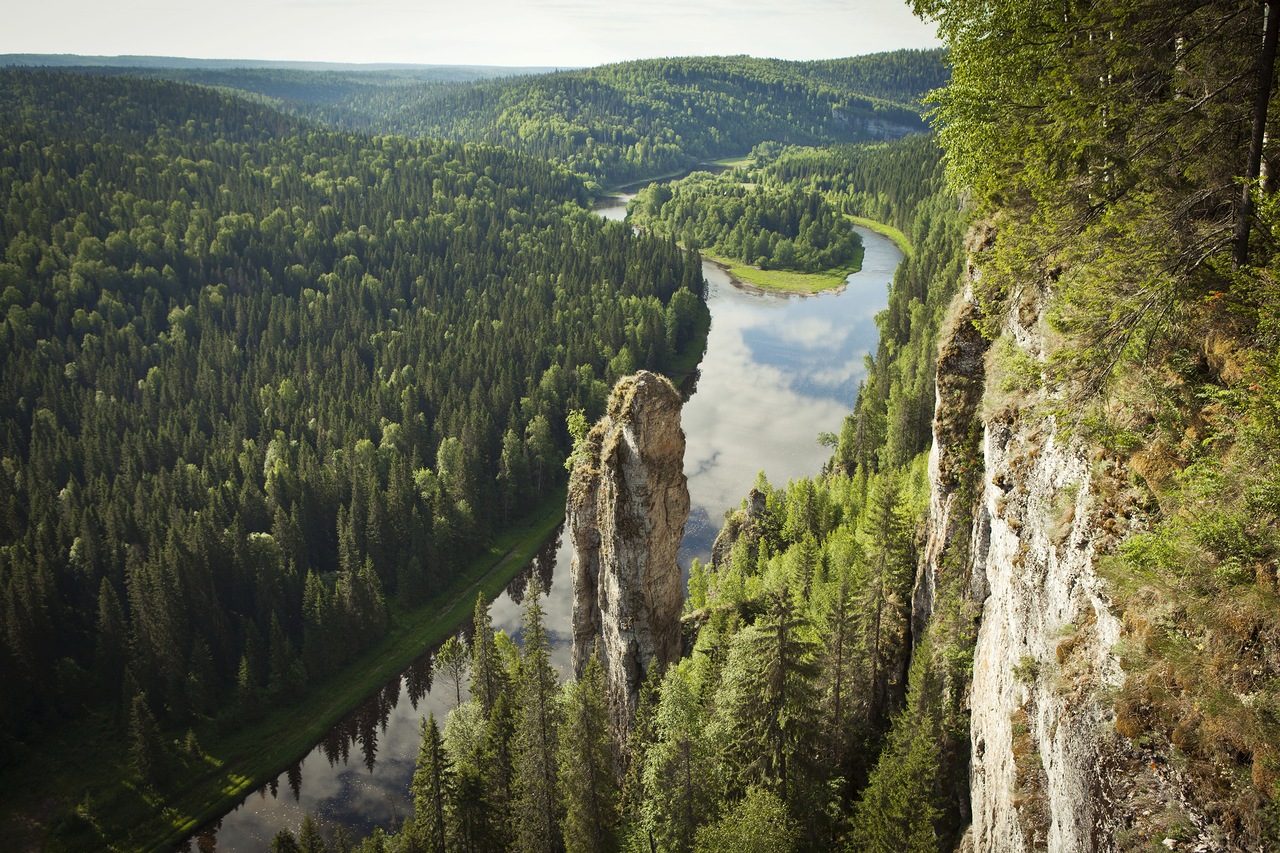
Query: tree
{"x":536,"y":806}
{"x":1261,"y":102}
{"x":588,"y":784}
{"x":309,"y":838}
{"x":766,"y":720}
{"x":432,"y":786}
{"x":146,"y":749}
{"x":758,"y":823}
{"x":451,"y":660}
{"x":678,"y":770}
{"x":488,"y":678}
{"x":285,"y":841}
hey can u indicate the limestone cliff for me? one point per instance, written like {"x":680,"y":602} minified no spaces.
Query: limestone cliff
{"x":627,"y":507}
{"x":1025,"y":511}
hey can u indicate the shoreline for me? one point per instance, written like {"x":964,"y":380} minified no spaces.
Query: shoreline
{"x":752,"y":287}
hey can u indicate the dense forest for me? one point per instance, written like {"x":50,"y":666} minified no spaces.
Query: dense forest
{"x":616,"y":123}
{"x":262,"y":379}
{"x":734,"y":216}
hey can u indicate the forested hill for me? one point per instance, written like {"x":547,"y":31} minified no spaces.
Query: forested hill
{"x":618,"y":123}
{"x":261,"y":380}
{"x":634,"y":120}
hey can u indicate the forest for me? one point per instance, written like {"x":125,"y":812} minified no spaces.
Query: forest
{"x":734,"y":216}
{"x":241,"y":361}
{"x":1113,"y":163}
{"x":613,"y":124}
{"x":263,"y":380}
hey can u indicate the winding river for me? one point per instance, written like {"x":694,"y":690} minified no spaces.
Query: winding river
{"x":778,"y":370}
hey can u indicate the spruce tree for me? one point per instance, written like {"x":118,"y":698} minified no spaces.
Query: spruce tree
{"x":432,"y":793}
{"x":536,"y":807}
{"x":588,"y":781}
{"x":487,"y":676}
{"x":146,"y":750}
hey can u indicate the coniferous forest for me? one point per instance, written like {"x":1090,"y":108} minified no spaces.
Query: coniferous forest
{"x":263,"y":379}
{"x":283,"y":352}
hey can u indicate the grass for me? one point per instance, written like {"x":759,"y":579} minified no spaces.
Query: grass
{"x":889,"y":231}
{"x":88,"y":760}
{"x":732,"y":162}
{"x":787,"y":281}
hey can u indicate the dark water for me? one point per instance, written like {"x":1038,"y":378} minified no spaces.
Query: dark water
{"x":778,"y":370}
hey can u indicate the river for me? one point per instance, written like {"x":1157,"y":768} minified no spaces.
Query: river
{"x":778,"y":370}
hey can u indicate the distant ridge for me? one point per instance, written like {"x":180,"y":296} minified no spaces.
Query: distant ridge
{"x":74,"y":60}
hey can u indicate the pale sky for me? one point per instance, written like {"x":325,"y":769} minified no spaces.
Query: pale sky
{"x":469,"y":32}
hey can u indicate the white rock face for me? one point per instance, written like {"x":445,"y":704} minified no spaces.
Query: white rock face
{"x":627,"y":507}
{"x":1044,"y":650}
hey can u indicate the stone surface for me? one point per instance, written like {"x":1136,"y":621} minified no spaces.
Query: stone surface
{"x":1048,"y":770}
{"x":627,"y":507}
{"x":740,"y":525}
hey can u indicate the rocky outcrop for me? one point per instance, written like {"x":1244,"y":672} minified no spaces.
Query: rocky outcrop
{"x":627,"y":507}
{"x":955,"y":523}
{"x":1018,"y":507}
{"x":740,"y":525}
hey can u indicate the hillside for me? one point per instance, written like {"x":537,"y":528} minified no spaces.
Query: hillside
{"x":615,"y":123}
{"x":267,"y":386}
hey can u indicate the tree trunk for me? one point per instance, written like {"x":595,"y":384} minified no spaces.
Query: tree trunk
{"x":1262,"y":99}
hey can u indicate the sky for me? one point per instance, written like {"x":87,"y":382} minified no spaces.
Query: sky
{"x":559,"y":33}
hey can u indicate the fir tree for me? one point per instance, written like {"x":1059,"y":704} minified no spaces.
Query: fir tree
{"x":588,"y":784}
{"x":536,"y":806}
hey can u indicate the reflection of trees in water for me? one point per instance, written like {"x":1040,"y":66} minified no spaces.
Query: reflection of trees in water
{"x":295,"y":780}
{"x":206,"y":841}
{"x":689,"y":383}
{"x":543,"y":565}
{"x":417,"y":679}
{"x":361,"y":727}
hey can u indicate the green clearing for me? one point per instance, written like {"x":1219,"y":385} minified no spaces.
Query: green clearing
{"x":88,"y":762}
{"x":787,"y":281}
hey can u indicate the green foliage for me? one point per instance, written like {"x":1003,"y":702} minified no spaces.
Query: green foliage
{"x":146,"y":749}
{"x":588,"y":787}
{"x":635,"y":120}
{"x":769,"y":226}
{"x":283,"y":379}
{"x":897,"y":811}
{"x":758,"y":823}
{"x":433,"y":796}
{"x":537,"y":806}
{"x":451,"y":660}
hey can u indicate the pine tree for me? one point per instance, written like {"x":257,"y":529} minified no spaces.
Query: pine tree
{"x":146,"y":750}
{"x":487,"y":674}
{"x":309,"y":838}
{"x":678,"y":767}
{"x":536,"y":807}
{"x":588,"y":784}
{"x":766,"y":720}
{"x":432,"y":785}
